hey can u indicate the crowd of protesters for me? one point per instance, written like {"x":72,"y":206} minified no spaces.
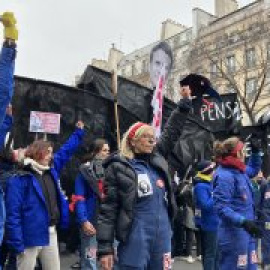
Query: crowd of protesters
{"x":130,"y":212}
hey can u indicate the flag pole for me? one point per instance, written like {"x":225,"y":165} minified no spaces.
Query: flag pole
{"x":114,"y":92}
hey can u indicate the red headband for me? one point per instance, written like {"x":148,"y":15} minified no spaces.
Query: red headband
{"x":237,"y":148}
{"x":134,"y":129}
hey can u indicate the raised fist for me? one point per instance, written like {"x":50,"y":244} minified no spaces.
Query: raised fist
{"x":10,"y":30}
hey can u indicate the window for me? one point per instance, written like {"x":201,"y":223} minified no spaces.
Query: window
{"x":133,"y":70}
{"x":251,"y":85}
{"x":231,"y":63}
{"x":234,"y":37}
{"x":175,"y":42}
{"x":250,"y":58}
{"x":213,"y":70}
{"x":145,"y":66}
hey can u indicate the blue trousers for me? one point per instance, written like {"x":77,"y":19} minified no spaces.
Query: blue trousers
{"x":88,"y":252}
{"x":237,"y":249}
{"x":209,"y":250}
{"x":145,"y":248}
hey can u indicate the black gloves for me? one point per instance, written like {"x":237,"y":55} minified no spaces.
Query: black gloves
{"x":252,"y":228}
{"x":185,"y":105}
{"x":255,"y":144}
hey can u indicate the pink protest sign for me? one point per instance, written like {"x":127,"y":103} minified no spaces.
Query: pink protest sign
{"x":44,"y":122}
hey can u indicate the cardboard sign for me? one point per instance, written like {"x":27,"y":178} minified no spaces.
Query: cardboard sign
{"x":43,"y":122}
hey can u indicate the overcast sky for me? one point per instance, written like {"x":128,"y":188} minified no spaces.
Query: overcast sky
{"x":58,"y":38}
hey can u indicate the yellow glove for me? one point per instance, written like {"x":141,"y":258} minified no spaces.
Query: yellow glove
{"x":10,"y":29}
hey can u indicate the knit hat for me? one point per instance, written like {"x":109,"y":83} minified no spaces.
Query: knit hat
{"x":205,"y":167}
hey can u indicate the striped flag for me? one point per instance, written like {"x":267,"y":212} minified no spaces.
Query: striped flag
{"x":157,"y":103}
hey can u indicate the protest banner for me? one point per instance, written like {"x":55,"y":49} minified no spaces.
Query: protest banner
{"x":44,"y":122}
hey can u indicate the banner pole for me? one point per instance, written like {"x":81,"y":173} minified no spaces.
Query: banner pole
{"x":114,"y":92}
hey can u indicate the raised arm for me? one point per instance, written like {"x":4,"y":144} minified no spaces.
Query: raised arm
{"x":6,"y":126}
{"x":63,"y":155}
{"x":174,"y":127}
{"x":7,"y":62}
{"x":255,"y":160}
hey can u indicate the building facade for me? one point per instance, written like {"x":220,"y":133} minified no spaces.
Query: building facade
{"x":231,"y":47}
{"x":233,"y":51}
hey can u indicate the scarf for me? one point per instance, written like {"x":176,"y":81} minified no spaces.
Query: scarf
{"x":232,"y":162}
{"x":206,"y":177}
{"x":28,"y":162}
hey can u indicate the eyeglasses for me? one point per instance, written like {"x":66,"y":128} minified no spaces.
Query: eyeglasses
{"x":149,"y":137}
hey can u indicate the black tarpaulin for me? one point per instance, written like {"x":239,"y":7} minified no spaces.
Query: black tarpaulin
{"x":93,"y":103}
{"x":223,"y":116}
{"x":132,"y":96}
{"x":73,"y":104}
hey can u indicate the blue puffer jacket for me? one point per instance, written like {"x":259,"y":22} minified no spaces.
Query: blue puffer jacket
{"x":27,"y":215}
{"x":233,"y":197}
{"x":203,"y":195}
{"x":7,"y":63}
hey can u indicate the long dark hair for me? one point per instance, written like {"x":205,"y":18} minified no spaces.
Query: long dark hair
{"x":93,"y":150}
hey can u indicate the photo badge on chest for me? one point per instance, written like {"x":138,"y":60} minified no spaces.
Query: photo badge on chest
{"x":144,"y":185}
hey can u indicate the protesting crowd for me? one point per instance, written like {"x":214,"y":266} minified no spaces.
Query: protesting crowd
{"x":131,"y":210}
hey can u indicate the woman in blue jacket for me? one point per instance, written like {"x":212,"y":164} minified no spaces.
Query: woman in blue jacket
{"x":234,"y":204}
{"x":35,"y":203}
{"x":205,"y":213}
{"x":88,"y":192}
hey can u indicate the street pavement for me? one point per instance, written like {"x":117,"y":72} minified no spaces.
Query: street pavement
{"x":68,"y":260}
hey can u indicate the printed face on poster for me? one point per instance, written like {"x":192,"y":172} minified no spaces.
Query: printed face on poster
{"x":161,"y":57}
{"x":44,"y":122}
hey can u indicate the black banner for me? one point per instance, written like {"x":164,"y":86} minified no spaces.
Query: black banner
{"x":220,"y":116}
